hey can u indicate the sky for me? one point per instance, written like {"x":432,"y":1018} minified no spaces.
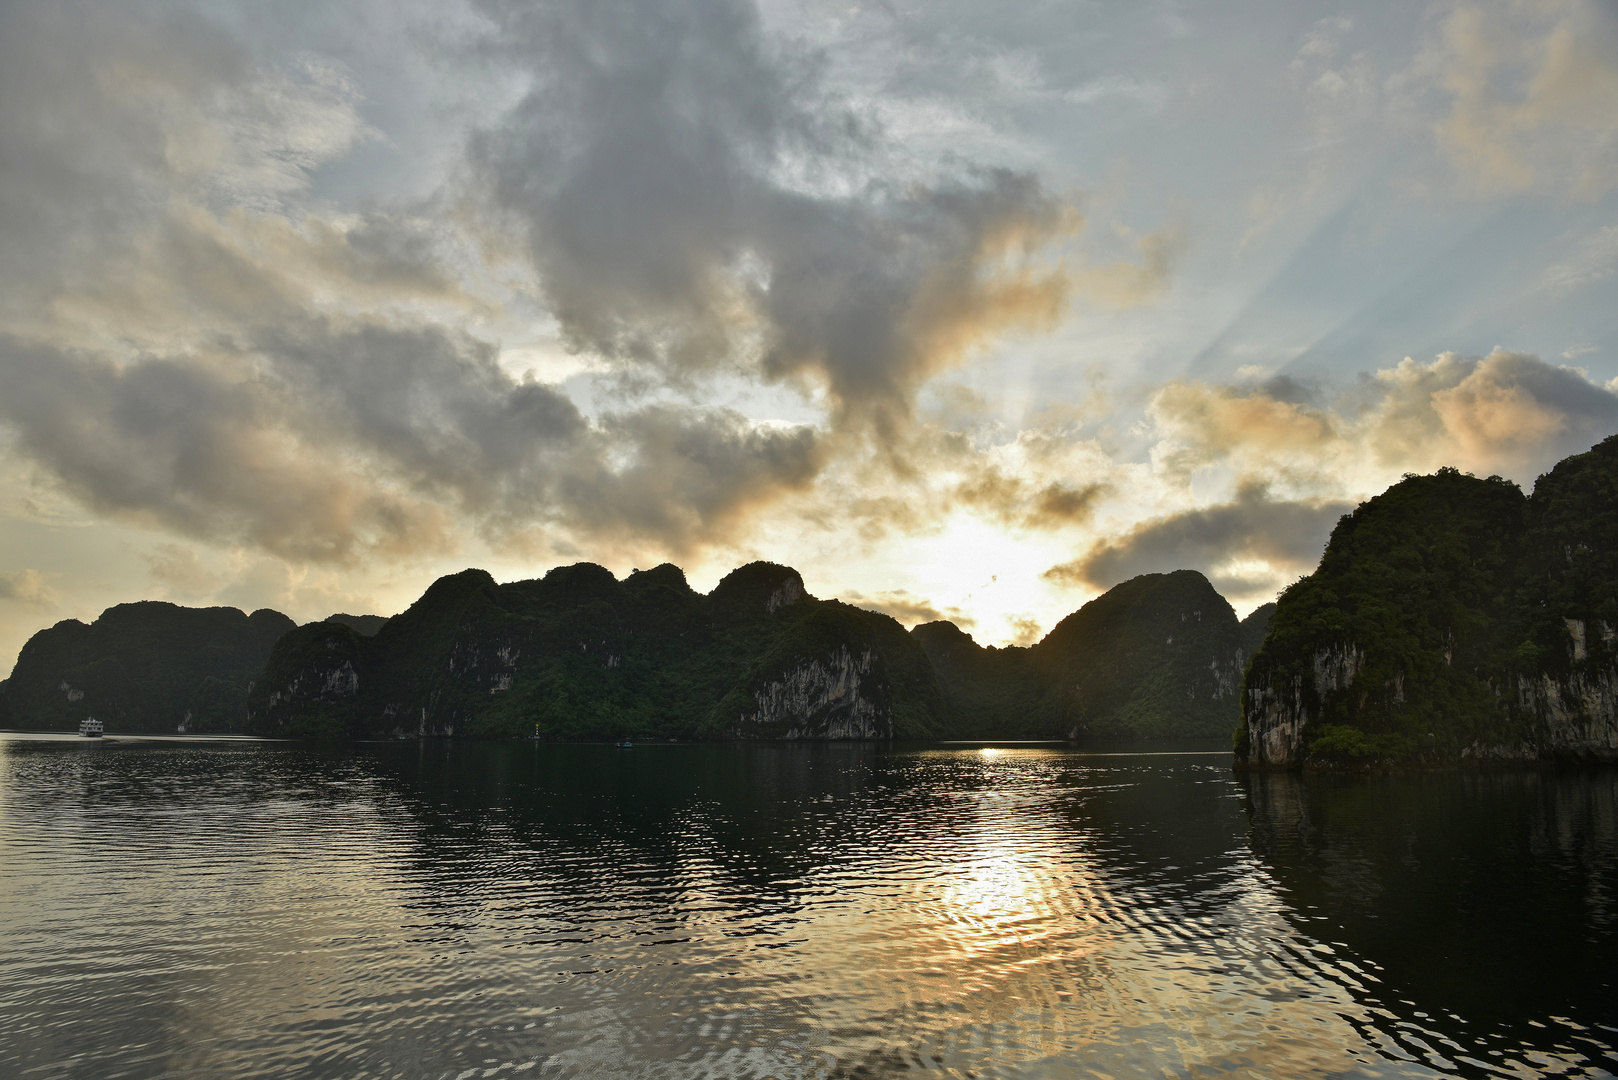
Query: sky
{"x":964,"y":310}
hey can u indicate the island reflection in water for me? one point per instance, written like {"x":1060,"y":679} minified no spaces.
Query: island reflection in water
{"x":426,"y":909}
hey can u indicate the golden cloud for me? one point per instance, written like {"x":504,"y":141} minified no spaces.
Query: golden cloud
{"x":27,"y":587}
{"x":907,"y":608}
{"x":1533,"y":95}
{"x":1508,"y":413}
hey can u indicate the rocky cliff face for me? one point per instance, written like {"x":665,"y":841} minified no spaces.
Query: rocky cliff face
{"x":1450,"y":620}
{"x":1278,"y":714}
{"x":830,"y":698}
{"x":1569,"y":715}
{"x":1570,"y":712}
{"x":1278,"y":710}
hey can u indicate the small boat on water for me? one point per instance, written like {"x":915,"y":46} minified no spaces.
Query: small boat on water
{"x":91,"y":728}
{"x":626,"y":745}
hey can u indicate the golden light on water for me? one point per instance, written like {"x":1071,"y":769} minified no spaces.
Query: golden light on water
{"x":999,"y":896}
{"x":1001,"y":892}
{"x":993,"y":910}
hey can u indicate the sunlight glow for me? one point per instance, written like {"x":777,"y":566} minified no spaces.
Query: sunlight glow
{"x":982,"y":570}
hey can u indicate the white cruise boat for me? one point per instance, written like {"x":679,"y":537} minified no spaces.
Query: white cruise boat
{"x":91,"y":728}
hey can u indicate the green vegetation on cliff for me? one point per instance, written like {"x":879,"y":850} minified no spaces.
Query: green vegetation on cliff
{"x":1569,"y":569}
{"x":1403,"y":619}
{"x":146,"y":667}
{"x":1450,"y":616}
{"x":578,"y":654}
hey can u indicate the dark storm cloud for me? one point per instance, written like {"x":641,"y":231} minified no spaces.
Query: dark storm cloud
{"x":440,"y":415}
{"x":329,"y":442}
{"x":691,"y":199}
{"x":193,"y":447}
{"x":694,"y":473}
{"x":184,"y":345}
{"x":1255,"y":526}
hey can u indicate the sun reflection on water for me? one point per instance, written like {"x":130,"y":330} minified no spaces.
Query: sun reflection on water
{"x":991,"y":911}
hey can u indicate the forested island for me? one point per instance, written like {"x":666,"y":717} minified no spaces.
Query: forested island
{"x":145,"y":667}
{"x":579,"y":654}
{"x":1451,"y":619}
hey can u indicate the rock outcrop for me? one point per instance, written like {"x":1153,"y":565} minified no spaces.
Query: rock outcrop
{"x":821,"y":698}
{"x":1573,"y":715}
{"x":1450,"y":620}
{"x":581,"y":654}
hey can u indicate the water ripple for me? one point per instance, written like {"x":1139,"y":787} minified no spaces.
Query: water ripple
{"x":459,"y":910}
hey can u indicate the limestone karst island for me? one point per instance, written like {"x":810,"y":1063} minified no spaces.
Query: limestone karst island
{"x":1452,"y":619}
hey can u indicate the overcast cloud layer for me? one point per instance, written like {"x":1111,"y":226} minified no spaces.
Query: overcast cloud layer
{"x":967,"y":314}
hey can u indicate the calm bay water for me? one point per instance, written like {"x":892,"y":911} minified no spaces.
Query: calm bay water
{"x":430,"y":909}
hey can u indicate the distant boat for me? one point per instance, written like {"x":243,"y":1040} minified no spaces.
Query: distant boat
{"x":91,"y":728}
{"x":626,"y":745}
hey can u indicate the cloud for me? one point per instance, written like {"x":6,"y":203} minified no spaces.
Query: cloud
{"x":1530,"y":93}
{"x":180,"y":572}
{"x":908,"y":609}
{"x":1025,"y":631}
{"x":27,"y":587}
{"x":1593,"y":259}
{"x":1030,"y":505}
{"x":188,"y":343}
{"x":327,"y":442}
{"x":1202,"y":425}
{"x":692,"y":199}
{"x":1042,"y":480}
{"x":690,"y":476}
{"x":1126,"y":284}
{"x":1509,"y":413}
{"x":201,"y":449}
{"x":191,"y":342}
{"x":301,"y":592}
{"x":1296,"y":456}
{"x":119,"y":117}
{"x":1282,"y":536}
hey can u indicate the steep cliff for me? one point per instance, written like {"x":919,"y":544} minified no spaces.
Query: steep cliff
{"x":837,"y":673}
{"x":1450,"y":619}
{"x":580,"y":654}
{"x":1157,"y":656}
{"x":1564,"y":659}
{"x":146,"y":667}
